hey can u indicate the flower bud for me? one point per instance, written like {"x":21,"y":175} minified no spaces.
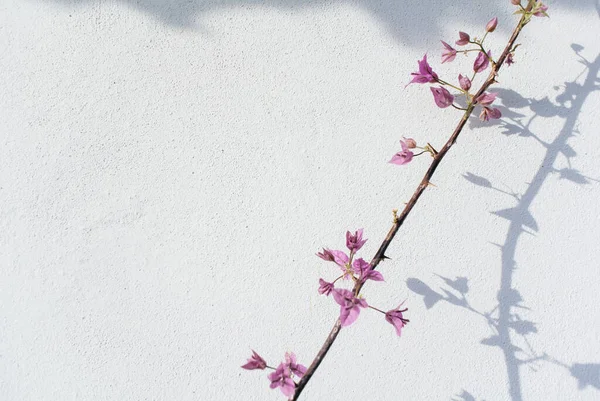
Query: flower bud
{"x":410,"y":143}
{"x":442,"y":97}
{"x":464,"y":39}
{"x":465,"y":82}
{"x":516,"y":2}
{"x":491,"y":26}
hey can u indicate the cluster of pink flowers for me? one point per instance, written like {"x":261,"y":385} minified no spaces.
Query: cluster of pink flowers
{"x":283,"y":375}
{"x":441,"y":95}
{"x":359,"y":271}
{"x":443,"y":98}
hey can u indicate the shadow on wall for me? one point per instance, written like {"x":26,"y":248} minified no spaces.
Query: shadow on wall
{"x":509,"y":332}
{"x":408,"y":21}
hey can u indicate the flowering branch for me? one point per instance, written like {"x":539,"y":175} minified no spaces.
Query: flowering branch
{"x":350,"y":301}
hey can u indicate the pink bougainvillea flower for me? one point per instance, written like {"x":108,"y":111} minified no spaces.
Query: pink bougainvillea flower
{"x":282,"y":377}
{"x":510,"y":59}
{"x":365,"y":271}
{"x":255,"y":362}
{"x":354,"y":241}
{"x":482,"y":62}
{"x":326,"y":255}
{"x":408,"y":143}
{"x":396,"y":318}
{"x":339,"y":257}
{"x":442,"y":97}
{"x":349,"y":306}
{"x":465,"y":82}
{"x":295,"y":368}
{"x":449,"y":53}
{"x":464,"y":39}
{"x":402,"y":157}
{"x":325,"y":288}
{"x":485,"y":99}
{"x":540,"y":10}
{"x":425,"y":74}
{"x":488,"y":113}
{"x":491,"y":26}
{"x":405,"y":156}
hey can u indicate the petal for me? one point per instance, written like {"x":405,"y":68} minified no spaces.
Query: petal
{"x":374,"y":275}
{"x":349,"y":315}
{"x":288,"y":387}
{"x":340,"y":257}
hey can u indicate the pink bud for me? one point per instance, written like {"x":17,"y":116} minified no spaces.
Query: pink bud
{"x":510,"y":59}
{"x":442,"y":97}
{"x":516,"y":2}
{"x":491,"y":26}
{"x":410,"y":143}
{"x":465,"y":82}
{"x":486,"y":99}
{"x":464,"y":39}
{"x":482,"y":61}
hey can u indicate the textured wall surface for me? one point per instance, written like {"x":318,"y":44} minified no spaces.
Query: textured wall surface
{"x":168,"y":170}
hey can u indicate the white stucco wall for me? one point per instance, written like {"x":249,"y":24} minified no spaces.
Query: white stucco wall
{"x":168,"y":170}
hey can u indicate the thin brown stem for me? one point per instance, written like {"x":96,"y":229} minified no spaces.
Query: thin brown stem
{"x":439,"y":156}
{"x":377,"y":309}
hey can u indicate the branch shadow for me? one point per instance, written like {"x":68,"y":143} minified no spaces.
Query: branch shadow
{"x":509,"y":331}
{"x":402,"y":19}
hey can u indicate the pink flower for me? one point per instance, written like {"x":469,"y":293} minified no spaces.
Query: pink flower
{"x":405,"y":156}
{"x":482,"y":62}
{"x":365,"y":270}
{"x":339,"y":257}
{"x":354,"y":241}
{"x":487,"y":113}
{"x":326,"y":255}
{"x":491,"y":26}
{"x":425,"y":73}
{"x":442,"y":97}
{"x":282,"y":377}
{"x":325,"y":288}
{"x":255,"y":362}
{"x":509,"y":59}
{"x":465,"y":82}
{"x":449,"y":54}
{"x":402,"y":157}
{"x":485,"y":99}
{"x":295,"y":368}
{"x":408,"y":143}
{"x":395,"y":317}
{"x":539,"y":10}
{"x":349,"y":306}
{"x":464,"y":39}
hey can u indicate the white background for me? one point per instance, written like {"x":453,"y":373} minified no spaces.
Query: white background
{"x":169,"y":169}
